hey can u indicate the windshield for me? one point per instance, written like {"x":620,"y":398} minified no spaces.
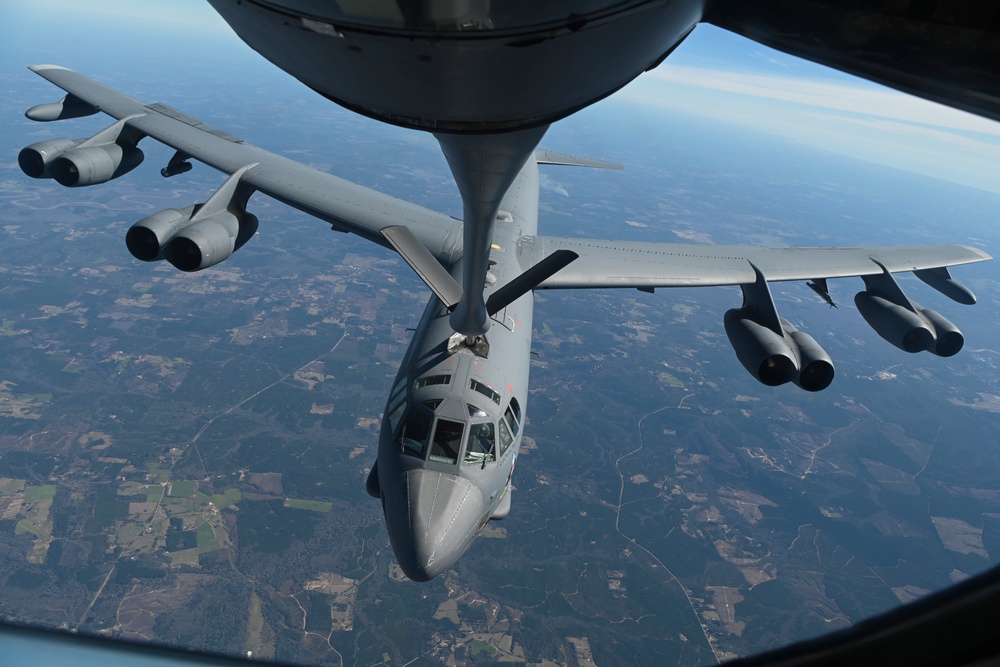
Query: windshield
{"x":415,"y":430}
{"x":481,"y":447}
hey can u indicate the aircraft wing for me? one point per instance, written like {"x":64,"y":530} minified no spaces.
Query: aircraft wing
{"x":347,"y":206}
{"x":646,"y":265}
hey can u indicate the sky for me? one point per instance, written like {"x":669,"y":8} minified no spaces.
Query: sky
{"x":714,"y":75}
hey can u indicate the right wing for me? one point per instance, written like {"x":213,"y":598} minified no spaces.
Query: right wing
{"x":346,"y":206}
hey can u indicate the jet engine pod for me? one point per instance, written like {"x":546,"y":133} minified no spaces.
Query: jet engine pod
{"x":900,"y":326}
{"x":146,"y":238}
{"x":35,"y":159}
{"x":90,"y":165}
{"x":949,"y":340}
{"x":815,"y":366}
{"x":762,"y":352}
{"x":210,"y":240}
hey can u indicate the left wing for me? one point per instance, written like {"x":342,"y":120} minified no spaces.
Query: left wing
{"x":649,"y":265}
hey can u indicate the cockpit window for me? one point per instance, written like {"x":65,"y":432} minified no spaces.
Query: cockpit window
{"x":481,"y":447}
{"x":447,"y":441}
{"x":415,"y":431}
{"x":475,"y":411}
{"x":516,"y":409}
{"x":485,"y":391}
{"x":511,"y":422}
{"x":431,"y":380}
{"x":397,"y":403}
{"x":505,"y":437}
{"x":396,"y":415}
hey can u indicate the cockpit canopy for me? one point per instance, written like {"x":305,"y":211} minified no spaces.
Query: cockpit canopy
{"x":438,"y":423}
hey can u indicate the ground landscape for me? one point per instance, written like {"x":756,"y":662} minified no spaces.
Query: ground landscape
{"x":182,"y":457}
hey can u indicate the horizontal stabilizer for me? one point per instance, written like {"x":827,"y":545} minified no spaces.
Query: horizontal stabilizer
{"x":528,"y":280}
{"x":563,"y":159}
{"x":424,"y":263}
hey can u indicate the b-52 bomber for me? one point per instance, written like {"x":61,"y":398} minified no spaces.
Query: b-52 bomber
{"x":454,"y":419}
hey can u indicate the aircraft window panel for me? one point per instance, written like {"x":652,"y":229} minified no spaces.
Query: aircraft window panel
{"x":485,"y":391}
{"x":395,"y":416}
{"x":511,"y":422}
{"x":431,"y":380}
{"x":516,"y":409}
{"x":506,"y":439}
{"x":416,"y":428}
{"x":397,"y":389}
{"x":482,"y":444}
{"x":474,"y":411}
{"x":447,"y":441}
{"x":431,"y":404}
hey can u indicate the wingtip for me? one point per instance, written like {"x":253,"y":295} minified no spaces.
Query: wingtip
{"x":41,"y":68}
{"x":983,"y":256}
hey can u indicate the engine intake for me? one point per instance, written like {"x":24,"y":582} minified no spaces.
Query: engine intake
{"x":190,"y":245}
{"x":34,"y":160}
{"x":948,"y":339}
{"x":775,"y":359}
{"x":146,"y":238}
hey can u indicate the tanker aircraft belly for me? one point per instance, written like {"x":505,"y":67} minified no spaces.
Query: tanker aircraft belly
{"x":453,"y":423}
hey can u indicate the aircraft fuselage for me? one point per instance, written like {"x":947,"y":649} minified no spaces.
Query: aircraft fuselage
{"x":452,"y":426}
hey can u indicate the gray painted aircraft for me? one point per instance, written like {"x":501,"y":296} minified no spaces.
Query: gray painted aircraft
{"x":453,"y":423}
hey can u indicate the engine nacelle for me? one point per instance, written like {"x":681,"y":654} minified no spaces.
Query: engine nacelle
{"x":34,"y":160}
{"x":764,"y":354}
{"x":90,"y":165}
{"x":815,"y":365}
{"x":208,"y":241}
{"x":900,"y":326}
{"x":948,"y":339}
{"x":775,"y":359}
{"x":147,"y":238}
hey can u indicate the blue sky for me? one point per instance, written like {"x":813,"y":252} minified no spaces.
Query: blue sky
{"x":714,"y":75}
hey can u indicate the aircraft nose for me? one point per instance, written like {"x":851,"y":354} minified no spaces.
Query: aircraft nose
{"x":432,"y":521}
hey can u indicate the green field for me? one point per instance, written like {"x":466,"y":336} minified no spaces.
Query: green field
{"x":46,"y":492}
{"x":314,"y":505}
{"x":182,"y":489}
{"x":207,"y":541}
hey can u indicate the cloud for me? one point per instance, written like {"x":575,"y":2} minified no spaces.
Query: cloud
{"x":546,"y":182}
{"x":858,"y":119}
{"x":860,"y":98}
